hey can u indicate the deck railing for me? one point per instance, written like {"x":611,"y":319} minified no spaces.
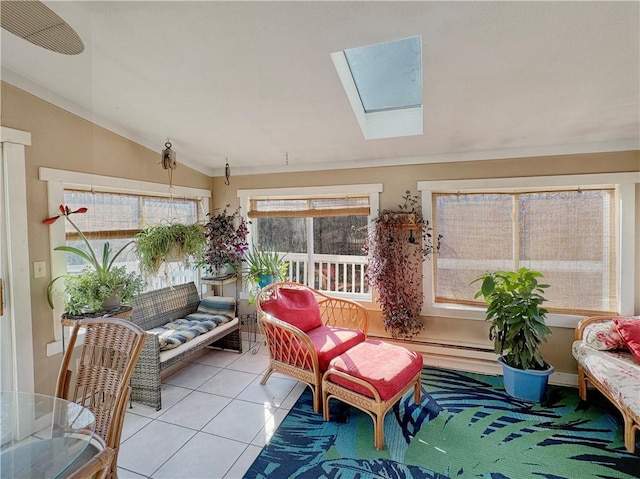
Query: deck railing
{"x":331,"y":273}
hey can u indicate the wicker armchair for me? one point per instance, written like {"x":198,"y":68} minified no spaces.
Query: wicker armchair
{"x":109,"y":353}
{"x":301,"y":348}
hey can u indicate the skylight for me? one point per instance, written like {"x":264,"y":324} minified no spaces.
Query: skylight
{"x":388,"y":76}
{"x":383,"y":83}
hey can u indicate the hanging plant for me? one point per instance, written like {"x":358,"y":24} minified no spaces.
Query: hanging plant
{"x":226,"y":235}
{"x":160,"y":243}
{"x":398,"y":241}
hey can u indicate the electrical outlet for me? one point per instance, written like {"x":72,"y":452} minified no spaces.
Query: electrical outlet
{"x":39,"y":269}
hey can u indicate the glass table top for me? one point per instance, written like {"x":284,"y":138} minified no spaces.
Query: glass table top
{"x":40,"y":436}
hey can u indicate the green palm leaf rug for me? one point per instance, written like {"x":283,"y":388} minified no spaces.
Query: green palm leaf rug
{"x":465,"y":427}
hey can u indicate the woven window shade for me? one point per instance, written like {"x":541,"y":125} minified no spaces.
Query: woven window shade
{"x":116,"y":215}
{"x":569,"y":236}
{"x":314,"y":207}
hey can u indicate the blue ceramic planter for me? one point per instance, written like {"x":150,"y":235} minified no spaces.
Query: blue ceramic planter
{"x":525,"y":384}
{"x":265,"y":280}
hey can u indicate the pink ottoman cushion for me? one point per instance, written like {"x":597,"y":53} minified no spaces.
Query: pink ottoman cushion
{"x":330,"y":341}
{"x":386,"y":367}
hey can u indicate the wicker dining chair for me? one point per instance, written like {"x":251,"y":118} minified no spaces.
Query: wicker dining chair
{"x":109,"y":353}
{"x":301,"y":344}
{"x":97,"y":468}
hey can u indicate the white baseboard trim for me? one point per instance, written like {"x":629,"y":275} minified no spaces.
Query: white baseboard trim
{"x":472,"y":360}
{"x":564,"y":379}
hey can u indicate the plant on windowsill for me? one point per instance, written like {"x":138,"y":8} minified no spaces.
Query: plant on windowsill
{"x":514,"y":309}
{"x":165,"y":242}
{"x":398,"y":242}
{"x":226,"y":235}
{"x":100,"y":285}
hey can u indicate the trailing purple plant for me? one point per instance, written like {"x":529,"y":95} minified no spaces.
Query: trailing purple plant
{"x":398,"y":242}
{"x":226,"y":235}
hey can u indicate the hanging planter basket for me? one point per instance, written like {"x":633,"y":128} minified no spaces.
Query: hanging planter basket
{"x":398,"y":243}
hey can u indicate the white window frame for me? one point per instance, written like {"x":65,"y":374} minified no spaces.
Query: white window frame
{"x":624,"y":185}
{"x":59,"y":180}
{"x":372,"y":189}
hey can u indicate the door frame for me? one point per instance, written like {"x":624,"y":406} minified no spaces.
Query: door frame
{"x":15,"y":257}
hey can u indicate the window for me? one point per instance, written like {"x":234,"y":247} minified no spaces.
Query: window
{"x":573,"y":233}
{"x":117,"y":218}
{"x":60,"y":180}
{"x":567,"y":235}
{"x":321,"y":232}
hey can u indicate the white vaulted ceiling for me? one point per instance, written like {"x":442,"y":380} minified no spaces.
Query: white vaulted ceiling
{"x":254,"y":81}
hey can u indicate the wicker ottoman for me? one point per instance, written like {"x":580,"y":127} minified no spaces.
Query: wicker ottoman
{"x":372,"y":376}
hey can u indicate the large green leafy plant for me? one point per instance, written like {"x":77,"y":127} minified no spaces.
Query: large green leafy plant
{"x":100,"y":280}
{"x":514,"y":300}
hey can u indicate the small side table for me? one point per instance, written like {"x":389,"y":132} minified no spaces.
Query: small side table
{"x":120,"y":312}
{"x":220,"y":283}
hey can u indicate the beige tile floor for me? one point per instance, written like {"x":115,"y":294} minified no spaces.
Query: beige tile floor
{"x":215,"y":419}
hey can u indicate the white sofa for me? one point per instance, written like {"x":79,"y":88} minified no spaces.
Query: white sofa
{"x":612,"y":370}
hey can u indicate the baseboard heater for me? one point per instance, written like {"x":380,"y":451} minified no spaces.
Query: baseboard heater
{"x":470,"y":358}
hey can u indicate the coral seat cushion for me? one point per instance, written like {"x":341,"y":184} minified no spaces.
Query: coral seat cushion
{"x":297,"y":307}
{"x":629,"y":330}
{"x":330,"y":342}
{"x":388,"y":368}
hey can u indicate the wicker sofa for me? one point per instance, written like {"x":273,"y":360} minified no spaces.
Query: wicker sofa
{"x":604,"y":361}
{"x":153,"y":311}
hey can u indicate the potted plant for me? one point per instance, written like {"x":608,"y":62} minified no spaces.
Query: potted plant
{"x":263,"y":266}
{"x":518,"y":327}
{"x":165,"y":242}
{"x":397,"y":243}
{"x":226,"y":236}
{"x":100,"y":285}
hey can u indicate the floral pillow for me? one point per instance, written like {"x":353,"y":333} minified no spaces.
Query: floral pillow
{"x":603,"y":336}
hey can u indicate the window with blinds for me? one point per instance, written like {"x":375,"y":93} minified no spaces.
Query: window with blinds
{"x":117,"y":218}
{"x":569,"y":236}
{"x":117,"y":215}
{"x":311,"y":207}
{"x":321,"y":237}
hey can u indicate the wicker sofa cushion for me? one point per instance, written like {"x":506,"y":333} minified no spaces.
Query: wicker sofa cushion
{"x":617,"y":371}
{"x":218,"y":305}
{"x":297,"y":307}
{"x":178,"y":332}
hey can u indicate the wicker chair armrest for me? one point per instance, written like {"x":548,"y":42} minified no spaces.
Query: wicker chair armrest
{"x":587,"y":321}
{"x":288,"y":344}
{"x":343,"y":313}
